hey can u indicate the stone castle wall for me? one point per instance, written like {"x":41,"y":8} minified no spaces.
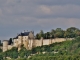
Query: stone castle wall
{"x":30,"y":43}
{"x":5,"y":45}
{"x":9,"y":47}
{"x":36,"y":43}
{"x":49,"y":41}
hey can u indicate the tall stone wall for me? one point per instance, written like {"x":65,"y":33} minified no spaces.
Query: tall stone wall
{"x":30,"y":43}
{"x":48,"y":41}
{"x":15,"y":43}
{"x":37,"y":42}
{"x":58,"y":40}
{"x":10,"y":47}
{"x":5,"y":45}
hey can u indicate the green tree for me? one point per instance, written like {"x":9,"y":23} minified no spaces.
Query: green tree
{"x":59,"y":33}
{"x":48,"y":35}
{"x":37,"y":36}
{"x":52,"y":33}
{"x":10,"y":41}
{"x":40,"y":34}
{"x":1,"y":57}
{"x":0,"y":50}
{"x":72,"y":32}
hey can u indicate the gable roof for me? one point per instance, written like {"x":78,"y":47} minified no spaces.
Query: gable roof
{"x":24,"y":34}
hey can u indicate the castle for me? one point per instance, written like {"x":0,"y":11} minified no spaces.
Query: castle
{"x":28,"y":41}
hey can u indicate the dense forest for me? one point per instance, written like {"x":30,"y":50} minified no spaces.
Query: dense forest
{"x":67,"y":50}
{"x":59,"y":33}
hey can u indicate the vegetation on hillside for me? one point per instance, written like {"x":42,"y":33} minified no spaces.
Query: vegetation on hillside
{"x":68,"y":50}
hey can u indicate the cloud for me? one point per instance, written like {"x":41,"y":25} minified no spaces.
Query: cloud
{"x":70,"y":11}
{"x":44,"y":9}
{"x":59,"y":22}
{"x":18,"y":15}
{"x":57,"y":2}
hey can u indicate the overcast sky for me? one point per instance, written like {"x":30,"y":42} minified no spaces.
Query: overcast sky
{"x":19,"y":15}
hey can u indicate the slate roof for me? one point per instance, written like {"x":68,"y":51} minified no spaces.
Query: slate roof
{"x":16,"y":37}
{"x":24,"y":34}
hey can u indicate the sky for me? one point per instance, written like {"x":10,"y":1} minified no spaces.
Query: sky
{"x":35,"y":15}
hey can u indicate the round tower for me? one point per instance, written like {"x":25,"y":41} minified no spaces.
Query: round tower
{"x":5,"y":45}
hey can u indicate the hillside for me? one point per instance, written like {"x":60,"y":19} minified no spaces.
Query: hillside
{"x":67,"y":50}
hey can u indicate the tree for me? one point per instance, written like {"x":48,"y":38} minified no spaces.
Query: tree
{"x":37,"y":36}
{"x":0,"y":50}
{"x":48,"y":35}
{"x":1,"y":57}
{"x":52,"y":33}
{"x":0,"y":43}
{"x":59,"y":33}
{"x":40,"y":34}
{"x":13,"y":53}
{"x":72,"y":32}
{"x":22,"y":52}
{"x":10,"y":41}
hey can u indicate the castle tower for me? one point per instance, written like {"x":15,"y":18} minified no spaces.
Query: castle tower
{"x":31,"y":38}
{"x":5,"y":45}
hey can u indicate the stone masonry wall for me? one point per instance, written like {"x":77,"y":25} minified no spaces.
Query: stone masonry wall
{"x":34,"y":43}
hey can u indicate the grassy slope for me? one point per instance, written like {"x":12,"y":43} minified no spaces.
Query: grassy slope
{"x":68,"y":50}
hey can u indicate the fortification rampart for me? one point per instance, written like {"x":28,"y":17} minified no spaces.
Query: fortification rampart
{"x":49,"y":41}
{"x":9,"y":47}
{"x":30,"y":43}
{"x":37,"y":43}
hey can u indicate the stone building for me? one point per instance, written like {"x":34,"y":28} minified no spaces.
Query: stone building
{"x":24,"y":39}
{"x":27,"y":40}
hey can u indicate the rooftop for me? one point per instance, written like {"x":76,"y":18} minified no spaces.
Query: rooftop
{"x":22,"y":34}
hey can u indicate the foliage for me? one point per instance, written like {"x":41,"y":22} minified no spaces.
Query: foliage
{"x":59,"y":33}
{"x":67,"y":50}
{"x":10,"y":41}
{"x":13,"y":53}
